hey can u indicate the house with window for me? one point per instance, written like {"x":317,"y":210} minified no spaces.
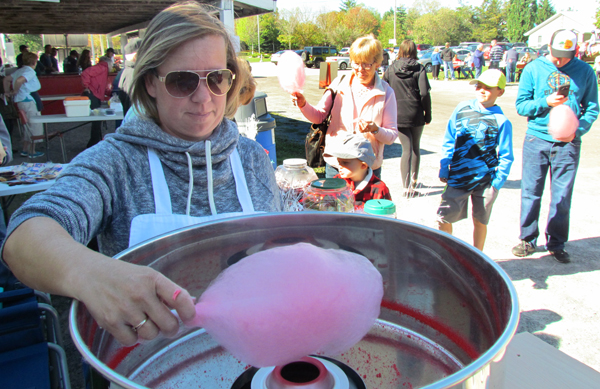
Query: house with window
{"x":580,"y":22}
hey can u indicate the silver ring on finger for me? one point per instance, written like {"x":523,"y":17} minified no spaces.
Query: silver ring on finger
{"x":136,"y":328}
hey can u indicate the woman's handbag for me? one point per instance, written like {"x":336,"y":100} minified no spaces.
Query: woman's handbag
{"x":314,"y":144}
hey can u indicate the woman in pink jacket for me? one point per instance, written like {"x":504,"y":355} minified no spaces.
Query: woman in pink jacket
{"x":95,"y":84}
{"x":364,"y":104}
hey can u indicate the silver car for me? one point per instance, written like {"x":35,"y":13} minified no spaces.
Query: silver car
{"x":425,"y":59}
{"x":522,"y":50}
{"x":342,"y":62}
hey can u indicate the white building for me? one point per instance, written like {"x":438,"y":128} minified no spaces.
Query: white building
{"x":580,"y":22}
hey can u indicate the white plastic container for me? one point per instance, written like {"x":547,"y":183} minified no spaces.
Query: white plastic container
{"x":77,"y":106}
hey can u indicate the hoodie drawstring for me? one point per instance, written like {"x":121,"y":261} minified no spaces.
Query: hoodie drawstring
{"x":190,"y":184}
{"x":209,"y":177}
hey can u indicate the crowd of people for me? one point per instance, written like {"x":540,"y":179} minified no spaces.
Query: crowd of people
{"x":178,"y":159}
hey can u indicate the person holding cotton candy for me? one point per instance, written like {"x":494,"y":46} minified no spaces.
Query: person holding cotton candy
{"x":178,"y":161}
{"x":559,"y":96}
{"x":364,"y":104}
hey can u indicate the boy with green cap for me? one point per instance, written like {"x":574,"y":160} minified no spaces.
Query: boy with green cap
{"x":477,"y":156}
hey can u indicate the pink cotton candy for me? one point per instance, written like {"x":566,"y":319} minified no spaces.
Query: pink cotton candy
{"x":281,"y":304}
{"x":290,"y":72}
{"x":562,"y":122}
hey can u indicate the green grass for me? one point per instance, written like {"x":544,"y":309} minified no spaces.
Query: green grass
{"x":289,"y":149}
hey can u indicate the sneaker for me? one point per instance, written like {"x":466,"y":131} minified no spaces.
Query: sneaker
{"x":24,"y":154}
{"x":523,"y":249}
{"x":561,"y":256}
{"x":36,"y":155}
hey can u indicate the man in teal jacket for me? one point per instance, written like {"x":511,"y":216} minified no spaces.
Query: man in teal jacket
{"x":538,"y":93}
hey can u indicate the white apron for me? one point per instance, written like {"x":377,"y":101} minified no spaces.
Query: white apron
{"x":150,"y":225}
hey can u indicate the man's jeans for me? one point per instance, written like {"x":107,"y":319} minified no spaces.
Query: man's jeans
{"x":511,"y":69}
{"x":562,"y":159}
{"x":478,"y":72}
{"x":449,"y":70}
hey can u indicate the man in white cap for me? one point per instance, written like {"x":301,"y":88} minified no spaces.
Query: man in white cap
{"x":559,"y":78}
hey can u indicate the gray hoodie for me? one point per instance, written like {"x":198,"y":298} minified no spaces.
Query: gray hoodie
{"x":106,"y":186}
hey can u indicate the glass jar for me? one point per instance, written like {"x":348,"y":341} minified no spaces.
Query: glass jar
{"x":381,"y":207}
{"x":329,"y":194}
{"x":293,"y":177}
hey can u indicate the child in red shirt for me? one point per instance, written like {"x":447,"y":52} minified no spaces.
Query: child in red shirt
{"x":355,"y":157}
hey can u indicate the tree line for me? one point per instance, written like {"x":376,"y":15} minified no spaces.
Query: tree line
{"x":428,"y":22}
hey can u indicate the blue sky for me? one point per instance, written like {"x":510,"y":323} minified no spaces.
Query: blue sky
{"x":384,"y":5}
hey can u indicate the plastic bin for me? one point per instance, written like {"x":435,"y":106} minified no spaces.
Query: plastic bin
{"x":265,"y":123}
{"x":77,"y":106}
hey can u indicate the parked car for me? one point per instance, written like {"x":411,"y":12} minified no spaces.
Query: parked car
{"x":343,"y":63}
{"x":522,"y":50}
{"x":422,"y":47}
{"x":344,"y":52}
{"x":469,"y":44}
{"x":314,"y":55}
{"x":487,"y":48}
{"x":425,"y":59}
{"x":543,"y":51}
{"x":275,"y":56}
{"x":461,"y":53}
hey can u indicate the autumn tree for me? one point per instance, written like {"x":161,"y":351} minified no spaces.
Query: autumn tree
{"x":490,"y":21}
{"x":247,"y":30}
{"x":386,"y":30}
{"x":288,"y":24}
{"x":269,"y":32}
{"x":444,"y":25}
{"x":521,"y":17}
{"x":34,"y":42}
{"x":545,"y":11}
{"x":347,"y":5}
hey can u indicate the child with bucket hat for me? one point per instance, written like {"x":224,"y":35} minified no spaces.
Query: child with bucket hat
{"x":355,"y":157}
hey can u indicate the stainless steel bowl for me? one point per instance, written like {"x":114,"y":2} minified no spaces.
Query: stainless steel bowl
{"x":448,"y":311}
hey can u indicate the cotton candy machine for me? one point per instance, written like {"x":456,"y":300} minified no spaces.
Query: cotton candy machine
{"x":447,"y":315}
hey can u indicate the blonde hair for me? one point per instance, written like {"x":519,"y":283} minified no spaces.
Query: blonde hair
{"x":366,"y":49}
{"x":437,"y":50}
{"x":247,"y":82}
{"x":171,"y":28}
{"x":29,"y":58}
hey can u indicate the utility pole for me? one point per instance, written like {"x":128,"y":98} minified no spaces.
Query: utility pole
{"x":258,"y":29}
{"x":395,"y":22}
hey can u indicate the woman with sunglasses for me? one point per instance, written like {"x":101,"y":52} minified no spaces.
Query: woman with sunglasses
{"x":364,"y":103}
{"x":181,"y":163}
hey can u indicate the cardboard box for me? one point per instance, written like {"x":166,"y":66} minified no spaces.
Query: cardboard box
{"x":77,"y":106}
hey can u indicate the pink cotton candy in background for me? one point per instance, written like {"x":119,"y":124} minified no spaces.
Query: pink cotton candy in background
{"x":290,"y":72}
{"x":562,"y":122}
{"x":281,"y":304}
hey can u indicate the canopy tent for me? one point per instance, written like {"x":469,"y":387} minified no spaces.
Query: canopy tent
{"x":111,"y":17}
{"x":57,"y":20}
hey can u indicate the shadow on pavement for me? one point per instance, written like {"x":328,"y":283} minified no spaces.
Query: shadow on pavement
{"x":585,"y":257}
{"x":537,"y":320}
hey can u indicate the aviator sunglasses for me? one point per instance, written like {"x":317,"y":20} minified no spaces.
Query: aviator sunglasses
{"x":184,"y":83}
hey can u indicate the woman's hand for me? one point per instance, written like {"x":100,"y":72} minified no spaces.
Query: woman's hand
{"x":118,"y":294}
{"x":298,"y":99}
{"x":365,"y":126}
{"x":121,"y":296}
